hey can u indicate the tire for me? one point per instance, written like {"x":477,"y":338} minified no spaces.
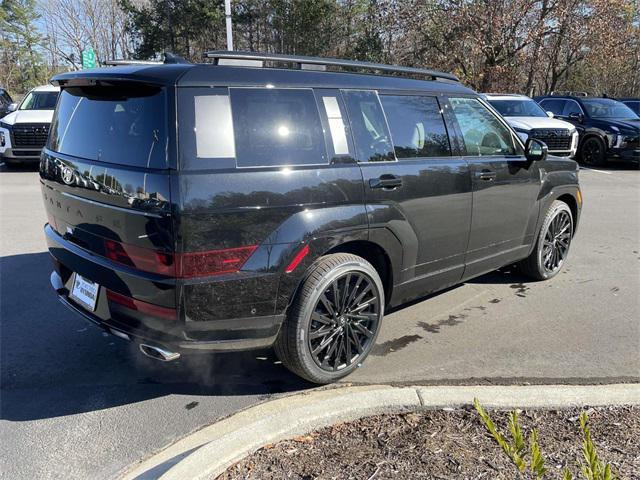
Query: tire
{"x":552,"y":245}
{"x":348,"y":324}
{"x":593,"y":152}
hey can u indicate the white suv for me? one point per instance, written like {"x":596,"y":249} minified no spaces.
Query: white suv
{"x":529,"y":120}
{"x":24,"y":131}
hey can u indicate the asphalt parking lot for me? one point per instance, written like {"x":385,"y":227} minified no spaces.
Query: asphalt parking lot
{"x":78,"y":404}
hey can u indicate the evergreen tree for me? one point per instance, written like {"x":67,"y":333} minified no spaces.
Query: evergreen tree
{"x":21,"y":44}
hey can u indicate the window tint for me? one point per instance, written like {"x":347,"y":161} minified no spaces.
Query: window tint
{"x":635,"y":106}
{"x":276,"y":127}
{"x":369,"y":127}
{"x":417,"y":127}
{"x":555,"y":106}
{"x":39,"y":101}
{"x":124,"y":125}
{"x":571,"y":107}
{"x":483,"y":134}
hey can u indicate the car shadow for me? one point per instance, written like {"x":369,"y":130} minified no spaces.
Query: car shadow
{"x":5,"y":168}
{"x":612,"y":166}
{"x":54,"y":363}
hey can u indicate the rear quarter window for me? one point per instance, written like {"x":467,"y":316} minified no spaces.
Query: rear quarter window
{"x":249,"y":127}
{"x":124,"y":125}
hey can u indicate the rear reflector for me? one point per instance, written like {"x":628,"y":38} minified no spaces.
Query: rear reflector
{"x":142,"y":307}
{"x":179,"y":265}
{"x":297,"y":259}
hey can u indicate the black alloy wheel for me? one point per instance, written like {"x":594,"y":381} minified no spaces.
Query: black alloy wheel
{"x":343,"y":321}
{"x":334,"y":319}
{"x":552,"y":245}
{"x":593,"y":151}
{"x":555,"y":245}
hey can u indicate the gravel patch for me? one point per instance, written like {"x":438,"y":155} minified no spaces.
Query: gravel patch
{"x":445,"y":444}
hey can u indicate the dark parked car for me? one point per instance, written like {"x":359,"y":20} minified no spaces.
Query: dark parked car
{"x":5,"y":102}
{"x":229,"y":207}
{"x":609,"y":130}
{"x":632,"y":103}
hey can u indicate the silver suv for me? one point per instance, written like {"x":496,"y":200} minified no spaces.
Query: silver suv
{"x":529,"y":120}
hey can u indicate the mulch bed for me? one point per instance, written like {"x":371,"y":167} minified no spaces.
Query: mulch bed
{"x":442,"y":444}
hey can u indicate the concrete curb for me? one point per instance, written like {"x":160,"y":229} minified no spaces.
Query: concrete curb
{"x":210,"y":451}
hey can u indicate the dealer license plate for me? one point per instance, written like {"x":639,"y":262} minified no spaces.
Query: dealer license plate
{"x":85,"y":292}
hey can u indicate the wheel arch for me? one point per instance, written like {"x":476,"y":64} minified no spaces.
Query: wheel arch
{"x":375,"y":255}
{"x":572,"y":202}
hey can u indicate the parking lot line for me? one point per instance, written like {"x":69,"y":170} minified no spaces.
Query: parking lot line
{"x":594,"y":170}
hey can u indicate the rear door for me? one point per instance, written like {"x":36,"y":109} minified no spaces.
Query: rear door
{"x":414,"y":186}
{"x":505,"y":188}
{"x":106,"y":183}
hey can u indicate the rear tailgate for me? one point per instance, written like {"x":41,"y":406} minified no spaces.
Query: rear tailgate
{"x":106,"y":190}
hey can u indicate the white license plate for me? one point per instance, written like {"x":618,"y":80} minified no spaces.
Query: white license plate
{"x":85,"y":292}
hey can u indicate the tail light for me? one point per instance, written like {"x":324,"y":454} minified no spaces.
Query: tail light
{"x":213,"y":262}
{"x":179,"y":265}
{"x":140,"y":258}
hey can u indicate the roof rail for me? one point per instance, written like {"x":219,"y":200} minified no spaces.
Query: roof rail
{"x":254,"y":59}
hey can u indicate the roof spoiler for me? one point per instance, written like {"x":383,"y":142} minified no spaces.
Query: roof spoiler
{"x":254,"y":59}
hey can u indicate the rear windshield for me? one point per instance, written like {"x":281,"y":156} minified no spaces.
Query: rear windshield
{"x":125,"y":125}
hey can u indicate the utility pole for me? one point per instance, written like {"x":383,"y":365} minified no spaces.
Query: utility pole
{"x":227,"y":14}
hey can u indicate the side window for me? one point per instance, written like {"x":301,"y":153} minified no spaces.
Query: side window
{"x":555,"y":106}
{"x":635,"y":106}
{"x":417,"y":127}
{"x":369,"y":127}
{"x":276,"y":127}
{"x":482,"y":132}
{"x":571,"y":107}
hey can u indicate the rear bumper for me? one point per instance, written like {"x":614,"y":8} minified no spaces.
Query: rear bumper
{"x":233,"y":334}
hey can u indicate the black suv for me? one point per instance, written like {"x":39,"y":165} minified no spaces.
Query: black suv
{"x":219,"y":207}
{"x":609,"y":130}
{"x":632,"y":103}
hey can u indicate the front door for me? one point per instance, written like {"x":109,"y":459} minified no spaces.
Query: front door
{"x":505,"y":188}
{"x":413,"y":185}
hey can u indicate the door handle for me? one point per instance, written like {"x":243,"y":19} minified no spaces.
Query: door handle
{"x":486,"y":175}
{"x":386,"y":181}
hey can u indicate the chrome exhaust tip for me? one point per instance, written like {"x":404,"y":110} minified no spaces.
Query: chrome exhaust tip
{"x":158,"y":353}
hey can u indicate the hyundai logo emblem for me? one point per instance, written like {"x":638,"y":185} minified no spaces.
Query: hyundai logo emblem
{"x":67,"y":175}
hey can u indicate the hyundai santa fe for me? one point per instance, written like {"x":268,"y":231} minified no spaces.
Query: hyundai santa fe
{"x":262,"y":200}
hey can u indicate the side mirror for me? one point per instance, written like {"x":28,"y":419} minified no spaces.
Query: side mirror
{"x":549,"y":114}
{"x":535,"y":150}
{"x":12,"y":107}
{"x":576,"y":117}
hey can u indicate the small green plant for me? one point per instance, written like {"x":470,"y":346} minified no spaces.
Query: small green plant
{"x":593,"y":469}
{"x":515,"y":450}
